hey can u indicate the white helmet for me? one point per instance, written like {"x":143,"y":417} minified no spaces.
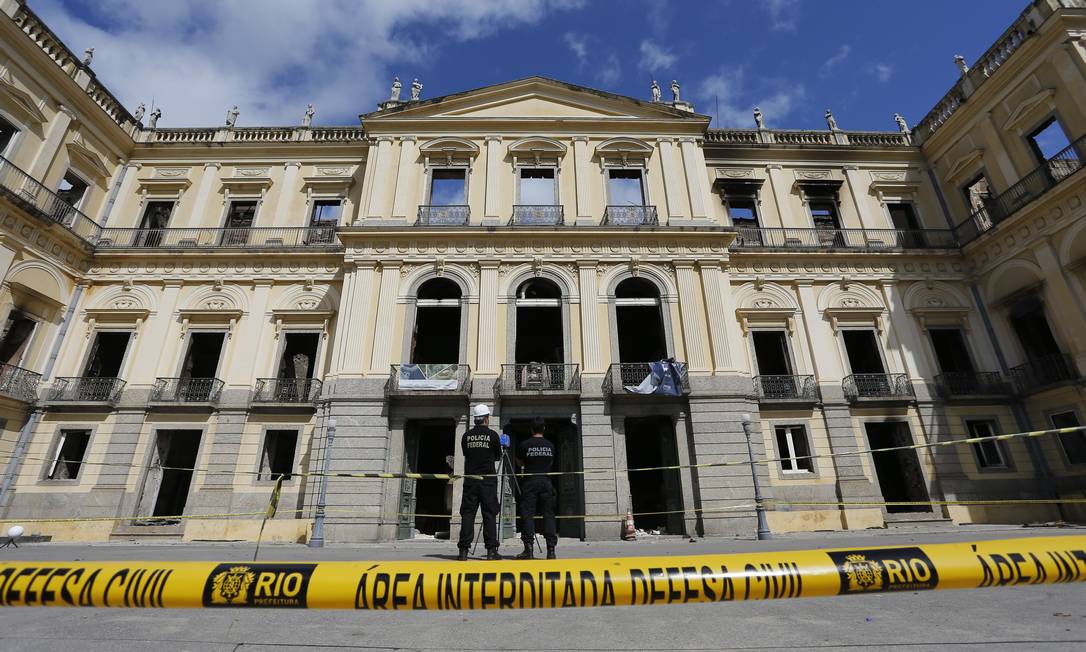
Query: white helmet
{"x":480,"y":410}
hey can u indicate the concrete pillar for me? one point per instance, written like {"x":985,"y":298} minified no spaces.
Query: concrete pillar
{"x":378,"y":207}
{"x":590,"y":328}
{"x":54,"y":139}
{"x":1072,"y":74}
{"x":124,"y":194}
{"x":405,"y":205}
{"x":693,"y":317}
{"x":694,"y":162}
{"x":581,"y":179}
{"x":719,"y":319}
{"x":852,"y":180}
{"x":604,"y":496}
{"x":253,"y":329}
{"x":910,"y":339}
{"x":675,"y":206}
{"x":488,"y":318}
{"x":198,"y":215}
{"x":386,"y":308}
{"x":287,"y":192}
{"x":156,"y":337}
{"x":1059,"y":299}
{"x":779,"y":192}
{"x":994,"y":145}
{"x":354,"y":319}
{"x":494,"y":175}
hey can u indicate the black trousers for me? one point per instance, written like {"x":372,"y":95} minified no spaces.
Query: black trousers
{"x":479,"y":493}
{"x":537,"y":493}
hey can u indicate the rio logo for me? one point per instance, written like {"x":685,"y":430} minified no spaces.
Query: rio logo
{"x":258,"y":585}
{"x":884,"y":569}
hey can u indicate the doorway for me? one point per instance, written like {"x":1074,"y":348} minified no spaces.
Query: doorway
{"x":567,"y":459}
{"x":169,"y":477}
{"x":429,"y":447}
{"x":656,"y":496}
{"x":639,"y":322}
{"x":774,"y":364}
{"x":900,"y":477}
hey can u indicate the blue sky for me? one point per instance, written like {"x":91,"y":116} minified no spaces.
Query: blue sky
{"x":864,"y":59}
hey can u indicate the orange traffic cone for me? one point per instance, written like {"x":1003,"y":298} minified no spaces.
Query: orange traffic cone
{"x":628,"y":531}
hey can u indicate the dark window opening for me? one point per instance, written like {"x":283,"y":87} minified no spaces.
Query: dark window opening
{"x":537,"y":187}
{"x":903,"y":217}
{"x":1048,"y":140}
{"x":1028,"y":320}
{"x":72,"y":189}
{"x":743,"y":212}
{"x":824,"y":214}
{"x":862,"y":349}
{"x":1073,"y":443}
{"x":277,"y":460}
{"x":567,"y":460}
{"x":794,"y":449}
{"x":202,"y":359}
{"x":436,"y":337}
{"x":107,"y":354}
{"x":166,"y":488}
{"x":900,"y":477}
{"x":326,"y":212}
{"x":625,"y":188}
{"x":8,"y":132}
{"x":989,"y":453}
{"x":771,"y":353}
{"x":71,"y":448}
{"x":296,"y":365}
{"x":540,"y":331}
{"x":448,"y":187}
{"x":950,"y":350}
{"x":428,"y":448}
{"x":155,"y":218}
{"x":640,"y":323}
{"x":239,"y":221}
{"x":15,"y":339}
{"x":656,"y":495}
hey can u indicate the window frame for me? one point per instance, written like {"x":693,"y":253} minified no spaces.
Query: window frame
{"x":314,"y":201}
{"x":964,"y":190}
{"x":318,"y":359}
{"x":295,"y":467}
{"x":16,"y":137}
{"x":918,"y":225}
{"x":880,"y":347}
{"x":229,"y":203}
{"x":968,"y":346}
{"x":60,"y":436}
{"x":145,"y":208}
{"x":1049,"y":415}
{"x":521,"y":167}
{"x":790,"y":454}
{"x":979,"y":456}
{"x":640,"y":169}
{"x":89,"y":347}
{"x":180,"y":366}
{"x":29,"y":344}
{"x":78,"y":205}
{"x":1031,"y":135}
{"x":463,"y":167}
{"x":789,"y":349}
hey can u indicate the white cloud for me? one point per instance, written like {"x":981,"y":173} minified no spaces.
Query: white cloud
{"x":881,"y":71}
{"x":198,"y":58}
{"x":783,"y":14}
{"x":578,"y":45}
{"x":829,"y":64}
{"x":725,"y":95}
{"x":655,"y":58}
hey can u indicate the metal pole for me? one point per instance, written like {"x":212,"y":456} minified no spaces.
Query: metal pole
{"x":759,"y":506}
{"x":317,"y":540}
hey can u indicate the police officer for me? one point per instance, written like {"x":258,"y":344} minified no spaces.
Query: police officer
{"x":536,"y":455}
{"x":482,"y":448}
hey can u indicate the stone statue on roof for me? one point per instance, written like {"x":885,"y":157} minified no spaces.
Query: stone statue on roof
{"x":674,"y":91}
{"x":902,"y":126}
{"x":153,"y":121}
{"x":959,"y":61}
{"x":140,"y":110}
{"x":831,"y":121}
{"x":307,"y":120}
{"x":655,"y":88}
{"x":758,"y":119}
{"x":396,"y":86}
{"x":232,"y":116}
{"x":88,"y":56}
{"x":416,"y":89}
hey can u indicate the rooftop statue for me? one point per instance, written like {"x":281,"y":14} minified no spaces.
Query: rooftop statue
{"x":416,"y":90}
{"x":88,"y":56}
{"x":307,"y":120}
{"x":655,"y":91}
{"x":140,"y":110}
{"x":831,"y":121}
{"x":674,"y":90}
{"x":232,"y":116}
{"x":396,"y":86}
{"x":153,"y":121}
{"x":758,"y":119}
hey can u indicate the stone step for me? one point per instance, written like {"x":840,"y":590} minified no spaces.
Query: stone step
{"x":170,"y":532}
{"x":905,"y":519}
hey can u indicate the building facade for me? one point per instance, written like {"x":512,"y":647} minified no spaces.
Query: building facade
{"x":188,"y":311}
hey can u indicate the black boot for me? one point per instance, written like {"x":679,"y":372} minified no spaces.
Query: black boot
{"x":527,"y":554}
{"x":492,"y":554}
{"x":550,"y":553}
{"x":463,"y":556}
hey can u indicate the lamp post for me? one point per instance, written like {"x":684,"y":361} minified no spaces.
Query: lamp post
{"x":317,"y":539}
{"x":759,"y":506}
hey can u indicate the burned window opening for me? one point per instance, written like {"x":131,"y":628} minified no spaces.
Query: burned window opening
{"x":537,"y":187}
{"x":1027,"y":317}
{"x":448,"y":186}
{"x":15,"y":340}
{"x":625,"y":187}
{"x":166,"y":488}
{"x":540,"y":328}
{"x":202,"y":358}
{"x":68,"y":460}
{"x":1073,"y":443}
{"x":72,"y":189}
{"x":155,"y":218}
{"x":239,"y":221}
{"x":640,"y":322}
{"x":8,"y":132}
{"x":107,"y":354}
{"x":277,"y":458}
{"x":436,"y":337}
{"x":950,"y":350}
{"x":771,"y":353}
{"x":862,"y":349}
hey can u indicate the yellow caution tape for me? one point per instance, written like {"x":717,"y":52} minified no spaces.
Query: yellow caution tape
{"x":545,"y":584}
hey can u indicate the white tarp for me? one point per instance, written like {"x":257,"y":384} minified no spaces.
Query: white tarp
{"x":428,"y":377}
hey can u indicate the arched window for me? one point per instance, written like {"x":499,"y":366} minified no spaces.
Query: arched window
{"x":436,"y":335}
{"x":639,"y":321}
{"x":540,"y":331}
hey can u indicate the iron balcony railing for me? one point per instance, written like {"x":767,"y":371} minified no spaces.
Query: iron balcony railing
{"x":630,"y":216}
{"x":632,"y":378}
{"x":86,"y":389}
{"x":962,"y":384}
{"x":261,"y":237}
{"x":429,"y":379}
{"x":537,"y":215}
{"x":18,"y":383}
{"x":1038,"y":182}
{"x":1042,"y":372}
{"x":286,"y":390}
{"x":748,"y":237}
{"x":186,"y":390}
{"x":878,"y":386}
{"x":539,"y":378}
{"x":31,"y":195}
{"x":785,"y":388}
{"x":443,"y":215}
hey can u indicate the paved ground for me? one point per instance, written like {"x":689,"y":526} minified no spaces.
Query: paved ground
{"x":1044,"y":617}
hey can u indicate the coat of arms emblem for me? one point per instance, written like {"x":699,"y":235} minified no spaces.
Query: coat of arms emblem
{"x":863,"y":574}
{"x":232,"y":586}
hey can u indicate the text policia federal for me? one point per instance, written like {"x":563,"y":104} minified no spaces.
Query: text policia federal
{"x":545,"y":583}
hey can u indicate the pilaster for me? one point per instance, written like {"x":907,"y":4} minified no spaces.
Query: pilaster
{"x":694,"y":163}
{"x":406,"y":179}
{"x":382,"y":180}
{"x":590,"y":328}
{"x":581,"y":179}
{"x":54,"y":138}
{"x":713,"y":284}
{"x":287,"y":191}
{"x":494,"y":175}
{"x":488,"y":317}
{"x":693,"y":316}
{"x":386,"y":307}
{"x":195,"y":218}
{"x":671,"y":178}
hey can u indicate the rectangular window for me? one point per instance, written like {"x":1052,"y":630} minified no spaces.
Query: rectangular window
{"x":448,"y":187}
{"x":743,"y":212}
{"x":950,"y":350}
{"x":277,"y":459}
{"x":537,"y":187}
{"x":862,"y":350}
{"x":977,"y":193}
{"x":1048,"y":140}
{"x":625,"y":188}
{"x":15,"y":339}
{"x":903,"y":216}
{"x":156,"y":215}
{"x":794,"y":450}
{"x":1073,"y":443}
{"x":771,"y":353}
{"x":989,"y":453}
{"x":107,"y":354}
{"x":326,"y":212}
{"x":8,"y":132}
{"x":68,"y":459}
{"x":824,"y":214}
{"x":72,"y":189}
{"x":741,"y":201}
{"x":239,"y":222}
{"x":1027,"y":317}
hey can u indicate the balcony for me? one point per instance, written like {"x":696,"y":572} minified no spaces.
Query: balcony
{"x":18,"y":383}
{"x":186,"y":390}
{"x":273,"y":237}
{"x":971,"y":384}
{"x":38,"y":200}
{"x":785,"y":389}
{"x":443,"y":215}
{"x":878,"y":387}
{"x":429,"y":380}
{"x":537,"y":215}
{"x":630,"y":216}
{"x":647,"y":379}
{"x":1032,"y":186}
{"x":85,"y":389}
{"x":1041,"y":373}
{"x":856,"y":239}
{"x":293,"y":391}
{"x":538,"y":378}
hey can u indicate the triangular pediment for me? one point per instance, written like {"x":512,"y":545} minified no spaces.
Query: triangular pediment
{"x":1025,"y":109}
{"x":534,"y":98}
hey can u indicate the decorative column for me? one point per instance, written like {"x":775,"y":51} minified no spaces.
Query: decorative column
{"x":54,"y":137}
{"x":581,"y":174}
{"x":381,"y":180}
{"x":994,"y":144}
{"x":494,"y":174}
{"x":711,"y":280}
{"x":779,"y":192}
{"x":405,"y":180}
{"x":908,"y":335}
{"x":852,"y":180}
{"x":195,"y":217}
{"x":695,"y":176}
{"x":124,"y":192}
{"x":826,"y":360}
{"x":353,"y":318}
{"x":693,"y":316}
{"x":287,"y":192}
{"x":1059,"y":299}
{"x":380,"y":358}
{"x":488,"y":318}
{"x":671,"y":178}
{"x":590,"y":328}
